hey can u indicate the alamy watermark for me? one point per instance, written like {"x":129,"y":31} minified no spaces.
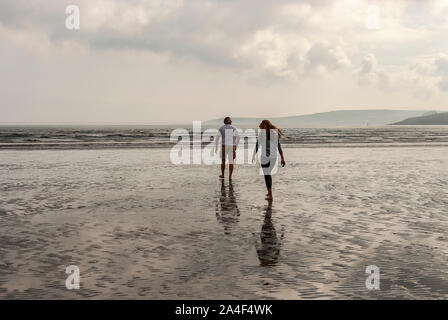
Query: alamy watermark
{"x":73,"y":19}
{"x":373,"y":280}
{"x":373,"y":17}
{"x":208,"y":147}
{"x":73,"y":280}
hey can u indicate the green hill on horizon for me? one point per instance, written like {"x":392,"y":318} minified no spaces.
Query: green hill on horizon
{"x":433,"y":119}
{"x":338,"y":118}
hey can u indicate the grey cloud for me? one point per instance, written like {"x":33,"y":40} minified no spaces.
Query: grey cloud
{"x":372,"y":74}
{"x":45,"y":15}
{"x":423,"y":78}
{"x":207,"y":31}
{"x":331,"y":57}
{"x":441,"y":64}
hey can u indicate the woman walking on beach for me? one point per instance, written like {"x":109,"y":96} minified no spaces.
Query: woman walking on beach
{"x":269,"y":141}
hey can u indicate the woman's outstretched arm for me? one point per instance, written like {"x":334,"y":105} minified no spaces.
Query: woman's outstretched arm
{"x":280,"y":150}
{"x":255,"y":152}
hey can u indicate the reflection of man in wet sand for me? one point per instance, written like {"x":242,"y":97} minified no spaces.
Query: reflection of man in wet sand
{"x":269,"y":249}
{"x":227,"y":211}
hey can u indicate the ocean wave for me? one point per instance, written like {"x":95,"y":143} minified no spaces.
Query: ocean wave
{"x":125,"y":137}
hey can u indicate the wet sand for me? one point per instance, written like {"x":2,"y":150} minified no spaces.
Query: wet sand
{"x":139,"y":227}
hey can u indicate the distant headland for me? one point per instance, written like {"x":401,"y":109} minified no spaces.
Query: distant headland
{"x":339,"y":118}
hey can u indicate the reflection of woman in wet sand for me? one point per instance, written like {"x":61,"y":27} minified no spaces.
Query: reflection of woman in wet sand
{"x":269,"y":249}
{"x":227,"y":211}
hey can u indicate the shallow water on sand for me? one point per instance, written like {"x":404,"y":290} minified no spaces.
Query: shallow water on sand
{"x":139,"y":227}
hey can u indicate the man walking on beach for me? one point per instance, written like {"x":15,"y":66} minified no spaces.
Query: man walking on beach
{"x":229,"y":138}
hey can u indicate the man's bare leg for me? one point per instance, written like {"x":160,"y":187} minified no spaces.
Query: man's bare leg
{"x":231,"y":162}
{"x":223,"y":168}
{"x":230,"y":171}
{"x":223,"y":162}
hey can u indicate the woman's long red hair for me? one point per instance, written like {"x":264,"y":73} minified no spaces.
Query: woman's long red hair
{"x":267,"y":125}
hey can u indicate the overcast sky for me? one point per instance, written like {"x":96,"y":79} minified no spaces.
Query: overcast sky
{"x":148,"y":61}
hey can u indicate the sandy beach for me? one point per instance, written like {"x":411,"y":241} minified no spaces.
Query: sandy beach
{"x":139,"y":227}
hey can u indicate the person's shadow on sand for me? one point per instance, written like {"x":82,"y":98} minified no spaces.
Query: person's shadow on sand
{"x":269,"y":249}
{"x":227,"y":211}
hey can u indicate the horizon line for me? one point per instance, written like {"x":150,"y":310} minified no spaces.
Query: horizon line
{"x":181,"y":123}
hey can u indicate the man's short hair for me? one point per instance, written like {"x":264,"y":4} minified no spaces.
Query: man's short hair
{"x":227,"y":120}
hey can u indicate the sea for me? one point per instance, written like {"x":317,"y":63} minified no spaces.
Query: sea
{"x":100,"y":137}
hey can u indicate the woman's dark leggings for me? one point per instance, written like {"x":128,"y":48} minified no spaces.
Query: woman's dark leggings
{"x":268,"y":180}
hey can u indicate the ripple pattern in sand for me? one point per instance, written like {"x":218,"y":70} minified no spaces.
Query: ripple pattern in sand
{"x":139,"y":227}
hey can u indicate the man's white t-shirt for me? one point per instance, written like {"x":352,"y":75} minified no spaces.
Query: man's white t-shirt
{"x":228,"y":135}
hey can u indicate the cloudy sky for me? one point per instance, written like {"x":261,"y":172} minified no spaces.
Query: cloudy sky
{"x":152,"y":61}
